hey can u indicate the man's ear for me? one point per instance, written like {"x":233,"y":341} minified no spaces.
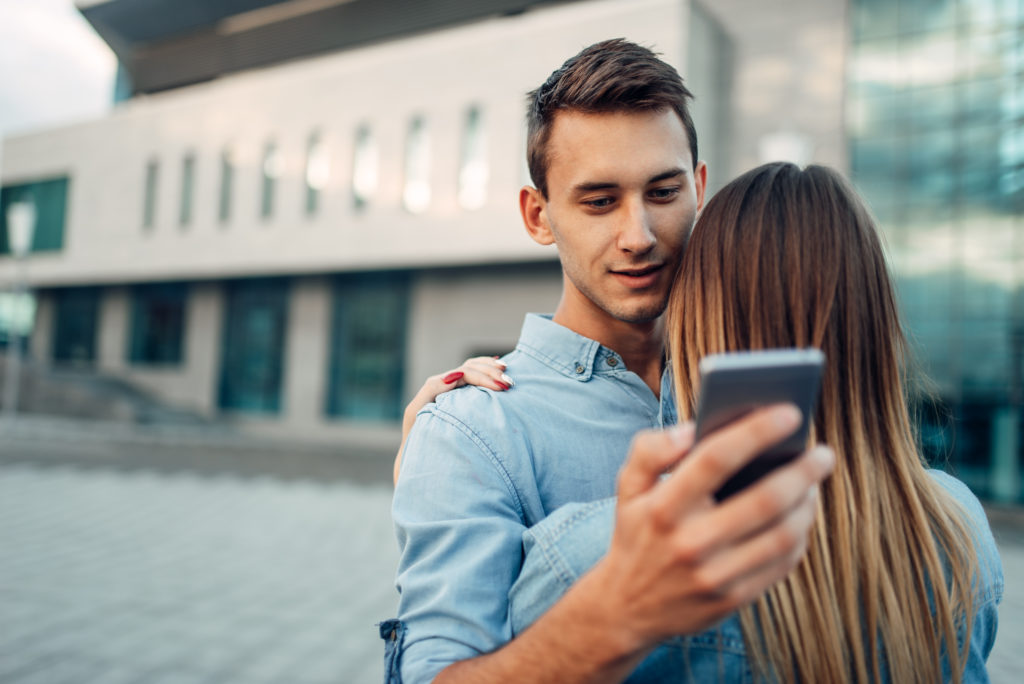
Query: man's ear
{"x":534,"y":209}
{"x":700,"y":182}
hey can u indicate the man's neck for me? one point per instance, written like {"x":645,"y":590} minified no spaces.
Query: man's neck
{"x":639,"y":344}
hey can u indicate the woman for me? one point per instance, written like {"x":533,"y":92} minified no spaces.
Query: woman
{"x":901,"y":578}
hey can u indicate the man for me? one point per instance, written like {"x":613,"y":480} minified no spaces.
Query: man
{"x":613,"y":155}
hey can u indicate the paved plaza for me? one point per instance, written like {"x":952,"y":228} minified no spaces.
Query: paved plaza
{"x":113,"y":574}
{"x":135,"y":576}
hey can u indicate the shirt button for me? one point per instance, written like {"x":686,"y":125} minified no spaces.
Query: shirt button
{"x":613,"y":361}
{"x":579,"y":369}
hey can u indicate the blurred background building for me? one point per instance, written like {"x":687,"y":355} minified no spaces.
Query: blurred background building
{"x":297,"y":210}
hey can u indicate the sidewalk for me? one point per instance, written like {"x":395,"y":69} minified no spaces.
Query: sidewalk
{"x":141,"y":562}
{"x":141,"y":577}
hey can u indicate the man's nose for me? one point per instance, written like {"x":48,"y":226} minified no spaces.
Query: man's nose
{"x":636,"y":235}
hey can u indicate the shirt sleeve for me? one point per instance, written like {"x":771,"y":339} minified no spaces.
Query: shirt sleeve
{"x":558,"y":551}
{"x":459,"y":524}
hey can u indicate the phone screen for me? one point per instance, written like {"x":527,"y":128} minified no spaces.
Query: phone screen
{"x":734,"y":384}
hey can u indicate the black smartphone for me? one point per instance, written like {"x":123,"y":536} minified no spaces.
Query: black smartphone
{"x":732,"y":385}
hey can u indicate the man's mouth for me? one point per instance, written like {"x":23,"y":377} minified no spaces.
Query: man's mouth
{"x":639,"y":276}
{"x":639,"y":271}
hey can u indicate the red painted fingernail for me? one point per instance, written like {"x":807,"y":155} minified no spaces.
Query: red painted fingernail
{"x":501,"y":384}
{"x":452,"y":377}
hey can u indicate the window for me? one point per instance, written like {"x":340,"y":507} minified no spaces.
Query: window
{"x":49,"y":199}
{"x":188,"y":170}
{"x":75,"y":313}
{"x":227,"y":180}
{"x":271,"y":169}
{"x":318,"y":172}
{"x":416,"y":195}
{"x":364,"y":168}
{"x":253,"y":345}
{"x":157,"y":324}
{"x":474,"y":172}
{"x":149,"y":201}
{"x":368,"y":346}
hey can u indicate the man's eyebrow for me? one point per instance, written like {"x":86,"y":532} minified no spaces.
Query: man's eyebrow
{"x":665,"y":175}
{"x":580,"y":188}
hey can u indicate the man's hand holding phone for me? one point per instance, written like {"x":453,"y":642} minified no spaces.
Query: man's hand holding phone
{"x":680,"y":560}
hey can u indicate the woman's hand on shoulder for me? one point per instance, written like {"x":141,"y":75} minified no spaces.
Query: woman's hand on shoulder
{"x":482,"y":371}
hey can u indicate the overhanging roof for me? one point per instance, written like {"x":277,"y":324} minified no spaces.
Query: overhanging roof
{"x":170,"y":43}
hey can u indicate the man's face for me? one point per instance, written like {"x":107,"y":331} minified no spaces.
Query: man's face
{"x":622,"y":198}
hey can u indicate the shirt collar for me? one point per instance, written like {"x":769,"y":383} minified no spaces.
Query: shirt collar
{"x":569,"y":353}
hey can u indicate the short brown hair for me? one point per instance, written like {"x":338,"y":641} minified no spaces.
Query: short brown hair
{"x":610,"y":76}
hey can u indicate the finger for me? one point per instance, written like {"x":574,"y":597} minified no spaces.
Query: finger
{"x":490,"y":361}
{"x":767,"y":501}
{"x":744,"y":571}
{"x":651,"y":453}
{"x":722,"y":453}
{"x":487,"y":372}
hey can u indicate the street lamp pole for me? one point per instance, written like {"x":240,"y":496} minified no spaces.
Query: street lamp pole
{"x":21,"y":223}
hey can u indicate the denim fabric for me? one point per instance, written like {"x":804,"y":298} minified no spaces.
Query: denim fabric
{"x":480,"y":467}
{"x":572,"y":539}
{"x":393,"y":634}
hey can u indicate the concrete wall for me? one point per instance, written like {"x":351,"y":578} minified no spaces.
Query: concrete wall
{"x":456,"y":314}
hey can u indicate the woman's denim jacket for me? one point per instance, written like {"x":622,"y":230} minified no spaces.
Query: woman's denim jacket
{"x":572,"y":539}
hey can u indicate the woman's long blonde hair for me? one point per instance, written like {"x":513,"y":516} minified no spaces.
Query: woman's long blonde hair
{"x":784,"y":257}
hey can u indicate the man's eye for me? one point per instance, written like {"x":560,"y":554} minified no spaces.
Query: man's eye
{"x":665,"y":193}
{"x":598,"y":202}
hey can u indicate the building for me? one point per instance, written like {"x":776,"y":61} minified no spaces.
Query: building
{"x":298,"y":210}
{"x":936,"y":134}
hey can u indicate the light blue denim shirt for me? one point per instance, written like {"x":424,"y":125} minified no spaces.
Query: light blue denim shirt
{"x":480,"y":467}
{"x":572,"y":539}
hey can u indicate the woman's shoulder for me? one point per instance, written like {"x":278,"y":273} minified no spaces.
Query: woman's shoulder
{"x":991,"y":568}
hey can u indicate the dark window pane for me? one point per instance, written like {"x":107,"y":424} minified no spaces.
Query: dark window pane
{"x":49,"y":198}
{"x":75,"y":318}
{"x":253,"y":345}
{"x":158,"y":324}
{"x":368,"y":346}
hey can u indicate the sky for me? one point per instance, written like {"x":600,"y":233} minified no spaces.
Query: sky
{"x":54,"y":69}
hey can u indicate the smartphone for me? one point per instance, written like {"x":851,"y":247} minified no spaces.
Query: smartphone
{"x":732,"y":385}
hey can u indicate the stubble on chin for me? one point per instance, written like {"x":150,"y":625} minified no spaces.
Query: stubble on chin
{"x":645,"y":313}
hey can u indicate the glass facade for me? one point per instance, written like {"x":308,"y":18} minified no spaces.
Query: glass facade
{"x":50,"y":199}
{"x":253,"y":345}
{"x":936,"y":130}
{"x":368,"y":346}
{"x":157,"y":324}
